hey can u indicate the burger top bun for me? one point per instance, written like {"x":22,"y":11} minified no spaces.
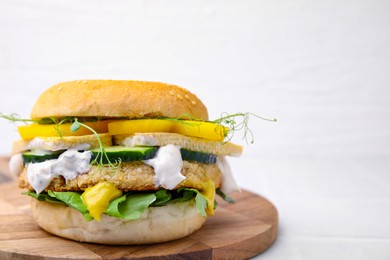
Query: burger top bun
{"x":117,"y":98}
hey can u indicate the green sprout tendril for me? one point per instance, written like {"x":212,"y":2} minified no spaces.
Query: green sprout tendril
{"x":15,"y":118}
{"x":239,"y":122}
{"x":99,"y":158}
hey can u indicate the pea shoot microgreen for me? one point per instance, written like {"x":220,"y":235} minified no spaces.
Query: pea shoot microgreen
{"x":99,"y":159}
{"x":75,"y":126}
{"x":184,"y":119}
{"x":239,"y":122}
{"x":234,"y":122}
{"x":16,"y":118}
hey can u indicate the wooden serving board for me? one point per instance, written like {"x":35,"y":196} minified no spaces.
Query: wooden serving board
{"x":236,"y":231}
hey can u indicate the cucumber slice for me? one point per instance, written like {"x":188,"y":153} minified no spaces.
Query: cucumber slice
{"x":125,"y":154}
{"x":206,"y":158}
{"x":31,"y":157}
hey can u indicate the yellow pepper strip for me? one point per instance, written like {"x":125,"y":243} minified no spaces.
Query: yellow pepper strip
{"x":139,"y":126}
{"x":98,"y":197}
{"x":205,"y":130}
{"x":36,"y":130}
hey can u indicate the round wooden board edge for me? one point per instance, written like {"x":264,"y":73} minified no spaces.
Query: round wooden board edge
{"x":222,"y":252}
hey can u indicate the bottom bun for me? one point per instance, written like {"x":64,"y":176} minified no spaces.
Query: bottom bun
{"x":157,"y":224}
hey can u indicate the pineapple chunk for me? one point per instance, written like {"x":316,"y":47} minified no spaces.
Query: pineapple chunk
{"x":208,"y":191}
{"x":98,"y":197}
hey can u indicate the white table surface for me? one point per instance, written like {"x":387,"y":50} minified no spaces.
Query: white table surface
{"x":320,"y":67}
{"x":329,"y":209}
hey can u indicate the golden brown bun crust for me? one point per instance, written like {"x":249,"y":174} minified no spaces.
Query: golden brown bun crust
{"x":117,"y":98}
{"x":156,"y":225}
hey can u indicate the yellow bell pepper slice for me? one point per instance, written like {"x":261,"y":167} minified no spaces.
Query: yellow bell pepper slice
{"x":204,"y":130}
{"x":139,"y":126}
{"x":98,"y":197}
{"x":52,"y":130}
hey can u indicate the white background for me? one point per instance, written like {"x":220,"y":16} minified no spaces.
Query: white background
{"x":321,"y":67}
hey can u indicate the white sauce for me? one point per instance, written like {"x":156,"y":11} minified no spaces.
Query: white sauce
{"x":70,"y":164}
{"x":16,"y":164}
{"x":167,"y":165}
{"x":229,"y":184}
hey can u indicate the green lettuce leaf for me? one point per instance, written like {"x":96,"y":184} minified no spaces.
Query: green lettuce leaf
{"x":42,"y":197}
{"x":200,"y":201}
{"x":135,"y":205}
{"x":113,"y":208}
{"x":162,"y":197}
{"x":129,"y":206}
{"x":182,"y":195}
{"x":72,"y":199}
{"x":224,"y":196}
{"x":201,"y":204}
